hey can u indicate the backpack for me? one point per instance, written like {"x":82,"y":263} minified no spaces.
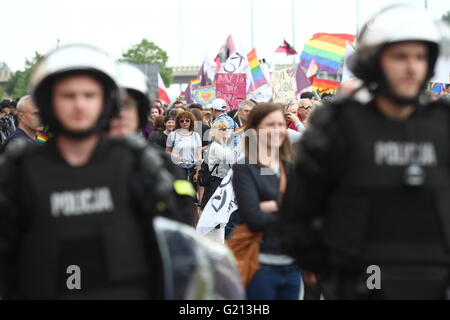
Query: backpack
{"x":205,"y":175}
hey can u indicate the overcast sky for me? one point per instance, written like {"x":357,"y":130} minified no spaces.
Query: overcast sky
{"x":187,"y":30}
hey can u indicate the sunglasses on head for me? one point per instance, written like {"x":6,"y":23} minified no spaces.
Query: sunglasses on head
{"x":185,"y":120}
{"x":306,"y":107}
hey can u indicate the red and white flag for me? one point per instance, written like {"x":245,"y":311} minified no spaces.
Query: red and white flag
{"x":162,"y":91}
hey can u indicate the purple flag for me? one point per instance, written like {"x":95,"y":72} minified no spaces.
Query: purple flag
{"x":205,"y":74}
{"x":187,"y":94}
{"x":301,"y":79}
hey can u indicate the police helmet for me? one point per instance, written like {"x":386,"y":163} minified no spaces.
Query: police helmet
{"x":137,"y":84}
{"x":70,"y":60}
{"x":394,"y":24}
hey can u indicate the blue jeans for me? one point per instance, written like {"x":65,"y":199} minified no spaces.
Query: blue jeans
{"x":275,"y":283}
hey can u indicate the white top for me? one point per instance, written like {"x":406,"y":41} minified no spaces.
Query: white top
{"x":184,"y":146}
{"x":222,"y":155}
{"x":294,"y":136}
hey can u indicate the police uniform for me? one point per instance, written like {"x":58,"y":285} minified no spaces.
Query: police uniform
{"x":369,"y":209}
{"x":89,"y":231}
{"x":351,"y":204}
{"x":90,"y":218}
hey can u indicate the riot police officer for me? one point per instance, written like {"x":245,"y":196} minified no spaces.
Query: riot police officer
{"x":369,"y":207}
{"x":133,"y":117}
{"x":77,"y":216}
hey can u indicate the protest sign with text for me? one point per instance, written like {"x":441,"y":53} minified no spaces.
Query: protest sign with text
{"x":232,"y":88}
{"x":284,"y":86}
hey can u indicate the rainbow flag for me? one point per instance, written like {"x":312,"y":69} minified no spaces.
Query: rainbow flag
{"x":257,"y":74}
{"x":321,"y":86}
{"x":181,"y":97}
{"x":437,"y":87}
{"x":41,"y":138}
{"x":239,"y":130}
{"x":196,"y":82}
{"x":328,"y":49}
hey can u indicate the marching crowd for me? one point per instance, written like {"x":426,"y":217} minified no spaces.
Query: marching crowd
{"x":93,"y":173}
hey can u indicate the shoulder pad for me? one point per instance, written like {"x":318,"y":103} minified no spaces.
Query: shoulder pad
{"x":215,"y":275}
{"x":134,"y":141}
{"x":149,"y":157}
{"x":323,"y":135}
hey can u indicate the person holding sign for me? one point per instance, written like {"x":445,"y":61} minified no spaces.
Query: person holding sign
{"x":220,"y":157}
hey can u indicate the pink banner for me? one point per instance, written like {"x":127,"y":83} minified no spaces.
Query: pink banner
{"x":232,"y":88}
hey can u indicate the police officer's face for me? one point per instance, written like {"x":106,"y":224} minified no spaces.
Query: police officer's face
{"x":128,"y":120}
{"x":405,"y":66}
{"x":78,"y":102}
{"x":272,"y":130}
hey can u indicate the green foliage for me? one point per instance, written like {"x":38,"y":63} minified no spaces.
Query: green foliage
{"x":148,"y":52}
{"x":446,"y":17}
{"x":3,"y":66}
{"x":2,"y":94}
{"x":17,"y":86}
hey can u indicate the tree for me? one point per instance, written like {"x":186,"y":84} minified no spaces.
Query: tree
{"x":3,"y":66}
{"x":17,"y":86}
{"x":2,"y":94}
{"x":148,"y":52}
{"x":446,"y":17}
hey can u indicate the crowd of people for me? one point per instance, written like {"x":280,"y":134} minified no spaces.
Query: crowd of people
{"x":324,"y":187}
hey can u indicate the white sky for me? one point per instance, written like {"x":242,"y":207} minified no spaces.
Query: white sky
{"x":187,"y":30}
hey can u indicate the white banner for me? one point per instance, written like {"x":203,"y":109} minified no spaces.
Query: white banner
{"x":237,"y":63}
{"x":262,"y":94}
{"x":219,"y":208}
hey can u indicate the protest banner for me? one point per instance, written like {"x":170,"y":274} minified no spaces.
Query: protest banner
{"x":219,"y":208}
{"x":284,"y":86}
{"x":232,"y":88}
{"x":262,"y":94}
{"x":204,"y":95}
{"x":236,"y":63}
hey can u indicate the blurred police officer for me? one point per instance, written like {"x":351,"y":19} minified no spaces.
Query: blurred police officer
{"x":86,"y":229}
{"x":132,"y":118}
{"x":369,"y":207}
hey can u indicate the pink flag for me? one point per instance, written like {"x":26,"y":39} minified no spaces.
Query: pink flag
{"x":312,"y":70}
